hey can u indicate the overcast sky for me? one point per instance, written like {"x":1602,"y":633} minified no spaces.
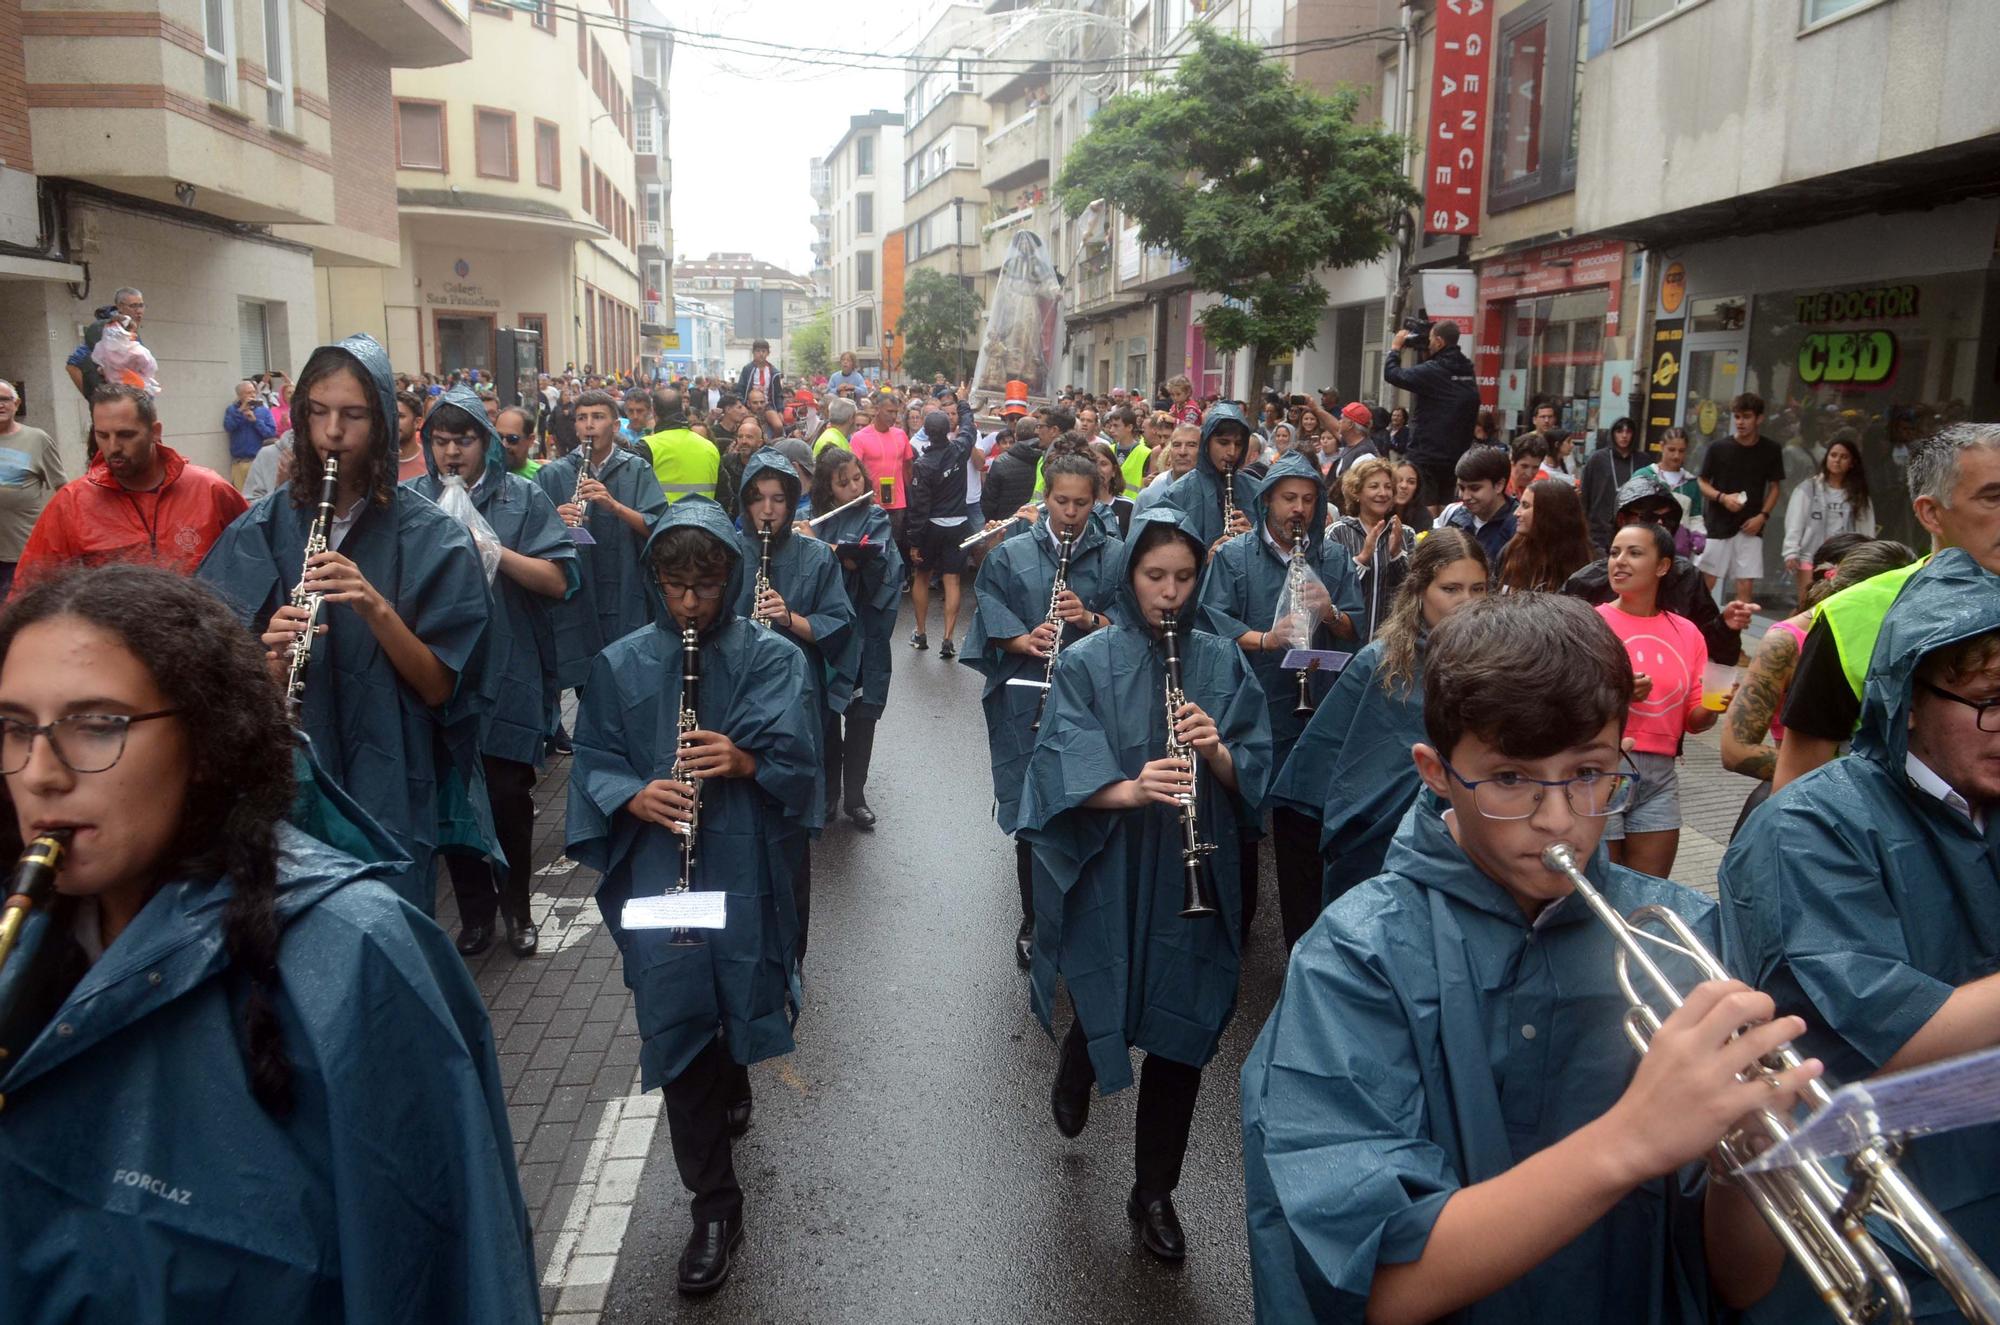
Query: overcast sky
{"x":743,"y":131}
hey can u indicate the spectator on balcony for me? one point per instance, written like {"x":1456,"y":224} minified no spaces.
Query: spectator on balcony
{"x":760,"y":374}
{"x":848,"y":377}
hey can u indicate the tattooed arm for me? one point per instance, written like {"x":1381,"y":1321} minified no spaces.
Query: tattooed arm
{"x":1746,"y":727}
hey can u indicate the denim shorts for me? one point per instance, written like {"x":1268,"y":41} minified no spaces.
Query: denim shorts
{"x":1656,"y":800}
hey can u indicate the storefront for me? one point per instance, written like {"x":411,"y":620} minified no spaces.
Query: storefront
{"x":1884,"y":324}
{"x":1549,"y":329}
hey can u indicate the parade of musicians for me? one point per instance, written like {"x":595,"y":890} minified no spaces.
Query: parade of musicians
{"x":1248,"y":660}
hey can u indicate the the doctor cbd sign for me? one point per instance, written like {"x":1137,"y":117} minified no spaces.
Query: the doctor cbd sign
{"x":1456,"y":163}
{"x":1862,"y":358}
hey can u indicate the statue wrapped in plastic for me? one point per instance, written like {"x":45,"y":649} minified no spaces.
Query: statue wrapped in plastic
{"x":1023,"y":322}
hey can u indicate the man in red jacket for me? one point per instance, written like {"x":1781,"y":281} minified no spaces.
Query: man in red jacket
{"x":140,"y":500}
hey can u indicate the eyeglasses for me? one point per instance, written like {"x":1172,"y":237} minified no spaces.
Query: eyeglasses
{"x":708,"y":593}
{"x":84,"y":742}
{"x":512,"y":438}
{"x":1512,"y":796}
{"x":1987,"y":711}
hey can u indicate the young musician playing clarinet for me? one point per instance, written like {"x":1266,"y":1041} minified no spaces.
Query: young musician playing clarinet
{"x":706,"y":1010}
{"x":1246,"y":596}
{"x":1012,"y":634}
{"x":1863,"y":894}
{"x":1443,"y":1116}
{"x":405,"y":616}
{"x":242,"y":1081}
{"x":517,"y":684}
{"x":1103,"y":806}
{"x":1225,"y":441}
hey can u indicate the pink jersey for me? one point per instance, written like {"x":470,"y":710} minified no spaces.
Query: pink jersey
{"x":1670,"y":650}
{"x":886,"y":457}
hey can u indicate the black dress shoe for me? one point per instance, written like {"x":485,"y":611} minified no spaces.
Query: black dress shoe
{"x":863,"y":817}
{"x":1159,"y":1225}
{"x":704,"y":1264}
{"x":739,"y":1117}
{"x":1071,"y":1111}
{"x":1024,"y":945}
{"x":475,"y":939}
{"x":522,"y":939}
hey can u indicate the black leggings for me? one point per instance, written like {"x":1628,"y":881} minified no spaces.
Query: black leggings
{"x":1167,"y":1092}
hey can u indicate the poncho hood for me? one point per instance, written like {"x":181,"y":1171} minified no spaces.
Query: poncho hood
{"x":1294,"y":465}
{"x":695,"y":512}
{"x":1126,"y":606}
{"x":493,"y":475}
{"x":1950,"y":600}
{"x":769,"y":459}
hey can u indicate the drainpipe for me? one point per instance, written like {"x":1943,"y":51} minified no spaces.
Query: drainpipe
{"x":1406,"y":117}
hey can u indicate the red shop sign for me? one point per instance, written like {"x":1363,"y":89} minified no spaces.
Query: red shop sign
{"x":1459,"y":101}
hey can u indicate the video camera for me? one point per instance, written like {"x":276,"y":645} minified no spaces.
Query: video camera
{"x":1419,"y":325}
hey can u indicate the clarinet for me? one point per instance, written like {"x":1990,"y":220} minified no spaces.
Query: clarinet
{"x":1194,"y":891}
{"x":1064,"y":548}
{"x":1296,"y":576}
{"x":763,"y":585}
{"x":688,"y":720}
{"x":309,"y":601}
{"x":1228,"y":499}
{"x":584,"y":470}
{"x":24,"y":925}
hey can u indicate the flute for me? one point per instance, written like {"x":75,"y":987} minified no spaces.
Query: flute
{"x":1004,"y":525}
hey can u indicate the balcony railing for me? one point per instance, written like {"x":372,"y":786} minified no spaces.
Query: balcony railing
{"x":1016,"y":153}
{"x":650,"y":233}
{"x":653,"y":311}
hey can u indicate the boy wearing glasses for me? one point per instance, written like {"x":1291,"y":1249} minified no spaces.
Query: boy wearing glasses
{"x":709,"y":1009}
{"x":1443,"y":1114}
{"x":1862,"y":895}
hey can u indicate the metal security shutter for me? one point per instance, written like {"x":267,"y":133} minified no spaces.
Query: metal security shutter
{"x":253,"y":337}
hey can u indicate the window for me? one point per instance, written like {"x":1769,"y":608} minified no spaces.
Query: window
{"x":544,"y":17}
{"x":864,"y":155}
{"x":864,"y":328}
{"x":253,"y":337}
{"x":864,"y":213}
{"x":1638,"y":13}
{"x":582,"y":47}
{"x":218,"y":53}
{"x":278,"y":63}
{"x":420,"y":135}
{"x":864,"y":272}
{"x":1541,"y":50}
{"x":1818,"y":11}
{"x":583,"y":181}
{"x":493,"y":143}
{"x":643,"y":138}
{"x":548,"y":155}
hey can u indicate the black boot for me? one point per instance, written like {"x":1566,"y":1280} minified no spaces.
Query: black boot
{"x":704,"y":1264}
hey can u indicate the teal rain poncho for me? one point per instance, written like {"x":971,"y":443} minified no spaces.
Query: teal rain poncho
{"x":415,"y":769}
{"x":518,"y":681}
{"x":1010,"y":598}
{"x":873,"y":582}
{"x":140,"y":1180}
{"x":1244,"y":581}
{"x":1860,"y":903}
{"x":740,"y":981}
{"x":1430,"y":1037}
{"x":1351,"y":769}
{"x":806,"y":574}
{"x":612,"y":599}
{"x":1108,"y":883}
{"x":1198,"y":493}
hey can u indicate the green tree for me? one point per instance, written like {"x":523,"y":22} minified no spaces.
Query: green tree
{"x":1256,"y":180}
{"x":812,"y":345}
{"x":939,"y":317}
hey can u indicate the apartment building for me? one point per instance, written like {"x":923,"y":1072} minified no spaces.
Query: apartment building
{"x":761,"y":300}
{"x":652,"y":61}
{"x":221,"y":158}
{"x":863,"y":206}
{"x":944,"y":121}
{"x":515,"y":178}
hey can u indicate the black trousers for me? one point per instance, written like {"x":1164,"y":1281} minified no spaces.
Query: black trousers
{"x":510,"y":788}
{"x":1167,"y":1092}
{"x":802,"y":896}
{"x":848,"y":743}
{"x":1295,"y":842}
{"x":697,"y":1104}
{"x":1024,"y":871}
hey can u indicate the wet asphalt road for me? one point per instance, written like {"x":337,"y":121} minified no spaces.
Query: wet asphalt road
{"x":903,"y":1165}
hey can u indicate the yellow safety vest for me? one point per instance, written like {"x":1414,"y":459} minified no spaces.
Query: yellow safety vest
{"x":685,"y":462}
{"x":1854,"y":616}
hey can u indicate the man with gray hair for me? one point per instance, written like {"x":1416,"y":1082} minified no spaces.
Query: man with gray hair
{"x":1954,"y":480}
{"x":127,"y":303}
{"x":839,"y":418}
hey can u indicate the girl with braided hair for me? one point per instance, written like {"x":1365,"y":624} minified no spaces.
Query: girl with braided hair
{"x":237,"y":1054}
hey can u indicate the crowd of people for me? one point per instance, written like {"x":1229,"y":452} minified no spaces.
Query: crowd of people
{"x":244,"y":723}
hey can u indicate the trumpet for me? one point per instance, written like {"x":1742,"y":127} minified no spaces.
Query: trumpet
{"x":763,"y":584}
{"x":687,"y":721}
{"x":310,"y":601}
{"x":1297,"y":573}
{"x":1194,"y":892}
{"x":1065,"y":546}
{"x":1821,"y":1224}
{"x":24,"y":924}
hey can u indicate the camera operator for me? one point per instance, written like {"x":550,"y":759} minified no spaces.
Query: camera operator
{"x":1447,"y":395}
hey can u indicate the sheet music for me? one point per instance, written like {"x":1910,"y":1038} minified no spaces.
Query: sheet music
{"x":1942,"y":1097}
{"x":689,"y":910}
{"x":1323,"y":660}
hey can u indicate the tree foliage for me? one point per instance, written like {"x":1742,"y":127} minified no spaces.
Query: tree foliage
{"x":812,"y":345}
{"x":940,"y":316}
{"x":1256,"y":180}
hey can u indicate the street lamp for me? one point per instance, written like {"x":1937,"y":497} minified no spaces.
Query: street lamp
{"x":888,"y":355}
